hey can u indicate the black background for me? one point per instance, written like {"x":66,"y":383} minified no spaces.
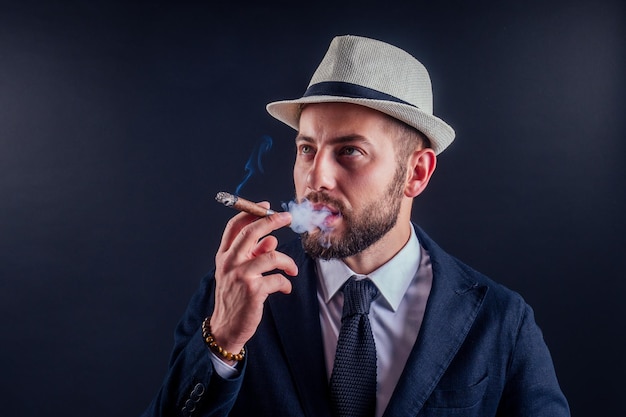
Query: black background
{"x":119,"y":121}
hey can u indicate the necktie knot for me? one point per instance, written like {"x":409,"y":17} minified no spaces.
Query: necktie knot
{"x":358,"y":296}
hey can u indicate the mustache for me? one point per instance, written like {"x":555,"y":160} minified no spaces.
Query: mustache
{"x":323,"y":198}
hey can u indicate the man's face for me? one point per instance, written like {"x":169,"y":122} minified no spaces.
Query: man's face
{"x":346,"y":163}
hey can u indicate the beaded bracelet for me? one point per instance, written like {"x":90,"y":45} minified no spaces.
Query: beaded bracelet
{"x":212,"y":344}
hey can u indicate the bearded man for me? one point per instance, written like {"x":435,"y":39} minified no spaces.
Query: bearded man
{"x":366,"y":316}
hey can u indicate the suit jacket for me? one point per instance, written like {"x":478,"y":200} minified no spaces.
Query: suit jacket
{"x":479,"y":353}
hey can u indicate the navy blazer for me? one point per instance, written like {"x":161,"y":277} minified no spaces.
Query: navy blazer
{"x":479,"y":353}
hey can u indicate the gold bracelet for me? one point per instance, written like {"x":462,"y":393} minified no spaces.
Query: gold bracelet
{"x":212,"y":344}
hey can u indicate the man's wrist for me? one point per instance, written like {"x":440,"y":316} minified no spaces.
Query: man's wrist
{"x":223,"y":354}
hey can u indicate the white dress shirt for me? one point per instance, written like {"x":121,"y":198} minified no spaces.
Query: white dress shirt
{"x":396,"y":314}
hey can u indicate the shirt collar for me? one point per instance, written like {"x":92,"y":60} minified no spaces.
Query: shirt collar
{"x":392,"y":279}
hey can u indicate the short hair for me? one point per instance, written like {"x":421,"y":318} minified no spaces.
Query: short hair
{"x":408,"y":139}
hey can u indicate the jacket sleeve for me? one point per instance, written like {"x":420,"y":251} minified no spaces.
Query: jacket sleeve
{"x":532,"y":388}
{"x":191,"y":386}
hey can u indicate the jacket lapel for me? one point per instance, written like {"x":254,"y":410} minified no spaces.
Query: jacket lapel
{"x":296,"y":317}
{"x":454,"y":301}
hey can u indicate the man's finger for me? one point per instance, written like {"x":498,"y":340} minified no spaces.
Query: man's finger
{"x":249,"y":236}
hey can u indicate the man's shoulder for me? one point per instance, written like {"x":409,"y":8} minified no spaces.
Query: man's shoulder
{"x":451,"y":268}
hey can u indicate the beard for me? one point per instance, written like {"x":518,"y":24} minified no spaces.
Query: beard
{"x":363,"y":227}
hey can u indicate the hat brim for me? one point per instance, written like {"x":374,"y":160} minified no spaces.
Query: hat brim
{"x":438,"y":132}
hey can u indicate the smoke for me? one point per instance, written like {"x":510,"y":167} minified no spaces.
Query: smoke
{"x":254,"y":164}
{"x":304,"y":218}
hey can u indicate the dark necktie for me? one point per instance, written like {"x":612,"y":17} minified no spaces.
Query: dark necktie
{"x":353,"y":380}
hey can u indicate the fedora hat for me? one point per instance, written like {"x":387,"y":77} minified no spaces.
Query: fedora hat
{"x":374,"y":74}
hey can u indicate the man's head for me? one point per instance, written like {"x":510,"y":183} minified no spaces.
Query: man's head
{"x":366,"y":145}
{"x":362,"y":166}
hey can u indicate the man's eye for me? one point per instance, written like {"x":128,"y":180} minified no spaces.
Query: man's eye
{"x":305,"y":149}
{"x":349,"y":151}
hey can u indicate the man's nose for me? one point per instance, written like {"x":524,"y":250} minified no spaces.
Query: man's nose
{"x":321,"y":174}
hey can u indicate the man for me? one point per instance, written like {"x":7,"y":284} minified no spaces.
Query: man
{"x":367,"y":316}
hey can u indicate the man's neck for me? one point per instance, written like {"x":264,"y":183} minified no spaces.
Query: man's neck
{"x":382,"y":251}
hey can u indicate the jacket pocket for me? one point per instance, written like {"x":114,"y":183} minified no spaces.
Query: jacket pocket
{"x":458,"y":398}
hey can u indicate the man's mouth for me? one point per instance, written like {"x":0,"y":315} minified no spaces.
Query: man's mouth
{"x":332,"y":213}
{"x":326,"y":208}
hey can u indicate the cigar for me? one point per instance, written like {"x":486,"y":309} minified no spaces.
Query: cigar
{"x":241,"y":204}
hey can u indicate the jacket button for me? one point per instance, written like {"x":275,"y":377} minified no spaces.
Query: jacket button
{"x":190,"y":407}
{"x":197,"y":392}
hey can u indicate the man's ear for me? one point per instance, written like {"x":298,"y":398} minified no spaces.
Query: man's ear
{"x":421,"y":166}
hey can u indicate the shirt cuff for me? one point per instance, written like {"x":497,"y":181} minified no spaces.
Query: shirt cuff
{"x":223,"y":369}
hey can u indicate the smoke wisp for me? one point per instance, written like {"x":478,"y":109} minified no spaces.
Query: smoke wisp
{"x":254,"y":163}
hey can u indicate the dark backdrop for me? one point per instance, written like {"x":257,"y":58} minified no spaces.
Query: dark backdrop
{"x":119,"y":122}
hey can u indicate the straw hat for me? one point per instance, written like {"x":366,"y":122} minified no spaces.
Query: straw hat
{"x":374,"y":74}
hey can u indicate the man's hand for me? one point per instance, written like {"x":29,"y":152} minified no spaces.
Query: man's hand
{"x":245,"y":253}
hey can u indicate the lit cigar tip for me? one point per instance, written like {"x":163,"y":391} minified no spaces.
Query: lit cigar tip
{"x":241,"y":204}
{"x":225,"y":198}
